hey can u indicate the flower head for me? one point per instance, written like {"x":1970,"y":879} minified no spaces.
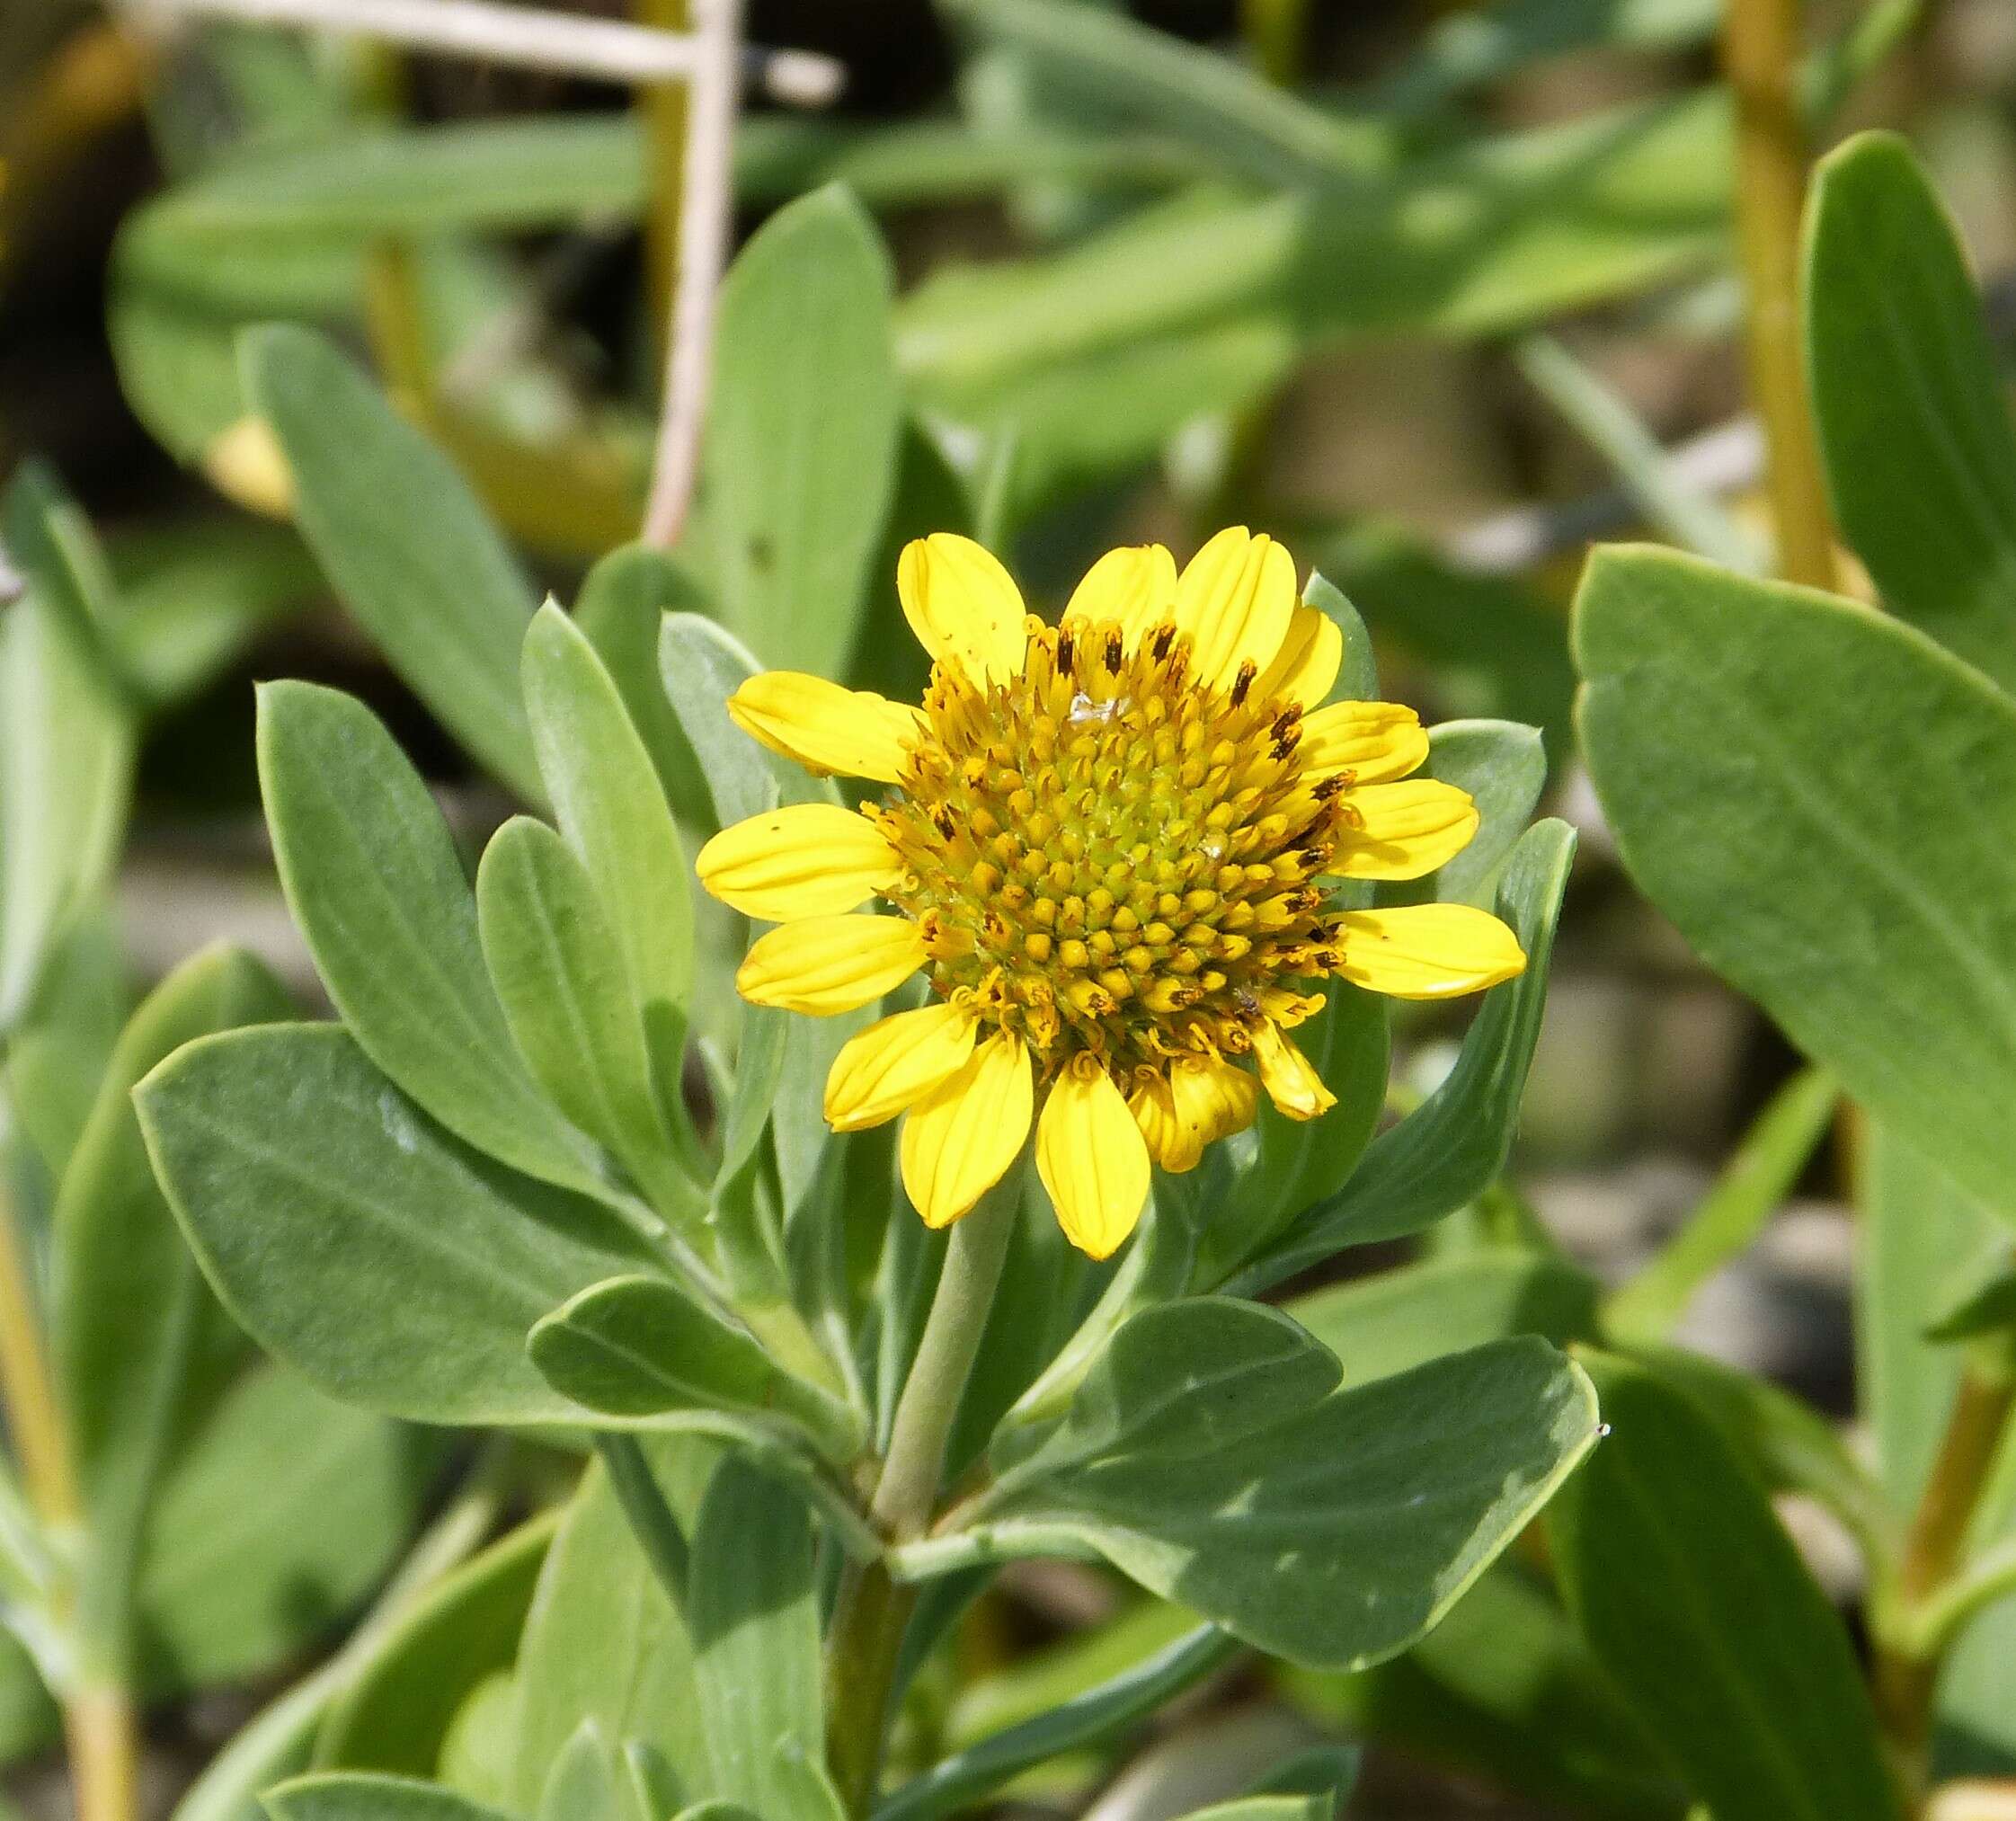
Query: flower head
{"x":1106,"y":844}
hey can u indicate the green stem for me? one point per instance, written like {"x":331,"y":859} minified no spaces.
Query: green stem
{"x":909,"y":1484}
{"x":1760,"y":54}
{"x":1905,"y":1668}
{"x":866,"y":1638}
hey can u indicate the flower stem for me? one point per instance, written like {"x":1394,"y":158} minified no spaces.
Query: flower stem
{"x":1760,"y":55}
{"x":872,"y":1612}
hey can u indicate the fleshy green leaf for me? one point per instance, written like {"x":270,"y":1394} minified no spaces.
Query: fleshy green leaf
{"x":378,"y":891}
{"x":1360,"y":1519}
{"x":1908,"y":393}
{"x":612,"y":810}
{"x":1696,"y":1603}
{"x":343,"y":1796}
{"x":559,"y":975}
{"x":581,"y":1785}
{"x":67,"y":744}
{"x":702,"y":666}
{"x":603,"y":1642}
{"x":397,"y":1711}
{"x":130,"y":1311}
{"x":1825,"y":803}
{"x":802,"y":430}
{"x":754,"y":1613}
{"x":1450,"y":1148}
{"x":358,"y":1240}
{"x":1503,"y":765}
{"x":638,"y":1347}
{"x":403,"y":541}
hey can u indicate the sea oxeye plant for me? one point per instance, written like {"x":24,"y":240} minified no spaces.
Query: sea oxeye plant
{"x":1128,"y":853}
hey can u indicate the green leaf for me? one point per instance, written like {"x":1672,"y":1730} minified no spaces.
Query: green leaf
{"x":638,"y":1347}
{"x":376,"y":888}
{"x":602,"y":1642}
{"x":357,"y":1239}
{"x":1991,"y":1309}
{"x":1909,"y":397}
{"x":702,"y":666}
{"x":233,"y":1586}
{"x":559,"y":975}
{"x":802,"y":430}
{"x":1504,"y":1691}
{"x":346,"y":1798}
{"x":57,"y":1057}
{"x":1360,"y":1519}
{"x":1358,"y":674}
{"x":1925,"y":1247}
{"x":612,"y":810}
{"x":1503,"y":765}
{"x":1299,"y":1162}
{"x":1453,"y":1146}
{"x":1753,"y":1183}
{"x":396,"y":1713}
{"x":622,"y":608}
{"x":67,"y":745}
{"x":1825,"y":803}
{"x":581,"y":1784}
{"x":754,"y":1613}
{"x":128,"y":1308}
{"x":403,"y":541}
{"x":1256,"y":131}
{"x":1089,"y":1718}
{"x":1398,"y":1320}
{"x":1694,"y":1599}
{"x":1189,"y":1377}
{"x":1476,"y":240}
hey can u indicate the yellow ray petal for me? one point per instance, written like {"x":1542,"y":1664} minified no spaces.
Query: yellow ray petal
{"x":1154,"y":1110}
{"x":894,"y":1064}
{"x":824,"y":728}
{"x":1203,"y":1099}
{"x":1092,"y":1158}
{"x":1373,"y":741}
{"x":1427,"y":950}
{"x":1234,"y":599}
{"x":1288,"y":1077}
{"x":823,"y":964}
{"x":1405,"y":829}
{"x":959,"y":1141}
{"x":806,"y":859}
{"x":963,"y":607}
{"x":1135,"y":585}
{"x":1308,"y":662}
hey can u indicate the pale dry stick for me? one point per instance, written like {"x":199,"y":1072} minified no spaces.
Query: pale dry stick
{"x":612,"y":49}
{"x":707,"y":204}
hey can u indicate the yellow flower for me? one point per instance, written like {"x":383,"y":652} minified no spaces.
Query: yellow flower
{"x":1106,"y":844}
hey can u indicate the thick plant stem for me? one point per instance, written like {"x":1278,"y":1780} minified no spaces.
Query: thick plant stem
{"x":102,"y":1734}
{"x":1933,"y":1551}
{"x":867,"y":1637}
{"x":1760,"y":55}
{"x":98,"y":1719}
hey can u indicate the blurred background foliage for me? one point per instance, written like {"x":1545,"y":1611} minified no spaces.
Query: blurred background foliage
{"x":1438,"y":293}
